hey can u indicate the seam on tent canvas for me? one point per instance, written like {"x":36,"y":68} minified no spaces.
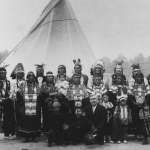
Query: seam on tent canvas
{"x":48,"y":39}
{"x":15,"y":48}
{"x":68,"y":29}
{"x":50,"y":4}
{"x":45,"y":14}
{"x":61,"y":20}
{"x":78,"y":27}
{"x":36,"y":26}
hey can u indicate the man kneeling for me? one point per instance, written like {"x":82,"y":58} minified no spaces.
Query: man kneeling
{"x":57,"y":121}
{"x":97,"y":116}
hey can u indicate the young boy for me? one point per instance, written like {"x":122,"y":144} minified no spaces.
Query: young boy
{"x":120,"y":122}
{"x":109,"y":108}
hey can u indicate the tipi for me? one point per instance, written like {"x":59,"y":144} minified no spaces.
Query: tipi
{"x":56,"y":38}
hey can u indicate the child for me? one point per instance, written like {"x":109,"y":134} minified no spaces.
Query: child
{"x":120,"y":121}
{"x":109,"y":108}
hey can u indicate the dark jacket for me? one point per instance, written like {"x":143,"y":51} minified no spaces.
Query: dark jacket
{"x":98,"y":118}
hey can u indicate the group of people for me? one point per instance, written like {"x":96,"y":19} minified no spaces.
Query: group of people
{"x":76,"y":109}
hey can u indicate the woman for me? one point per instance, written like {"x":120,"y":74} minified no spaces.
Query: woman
{"x":30,"y":126}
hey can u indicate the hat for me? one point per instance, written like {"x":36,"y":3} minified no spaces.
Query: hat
{"x":135,"y":67}
{"x":39,"y":67}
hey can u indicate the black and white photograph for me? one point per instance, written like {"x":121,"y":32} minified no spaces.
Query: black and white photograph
{"x":74,"y":74}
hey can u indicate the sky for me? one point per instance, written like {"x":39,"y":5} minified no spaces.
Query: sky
{"x":112,"y":27}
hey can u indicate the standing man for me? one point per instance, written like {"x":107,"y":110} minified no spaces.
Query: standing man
{"x":77,"y":92}
{"x":78,"y":70}
{"x":62,"y":81}
{"x":47,"y":93}
{"x":119,"y":83}
{"x":145,"y":114}
{"x":118,"y":91}
{"x":6,"y":105}
{"x":97,"y":84}
{"x":137,"y":93}
{"x":109,"y":122}
{"x":40,"y":74}
{"x":78,"y":98}
{"x":40,"y":79}
{"x":17,"y":92}
{"x":118,"y":78}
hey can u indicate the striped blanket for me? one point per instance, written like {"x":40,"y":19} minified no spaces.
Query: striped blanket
{"x":30,"y":100}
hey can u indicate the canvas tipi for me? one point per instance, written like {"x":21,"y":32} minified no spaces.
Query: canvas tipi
{"x":56,"y":38}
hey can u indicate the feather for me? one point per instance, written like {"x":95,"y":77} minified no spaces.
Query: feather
{"x":79,"y":60}
{"x":74,"y":61}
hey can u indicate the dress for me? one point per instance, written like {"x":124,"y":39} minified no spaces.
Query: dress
{"x":31,"y":121}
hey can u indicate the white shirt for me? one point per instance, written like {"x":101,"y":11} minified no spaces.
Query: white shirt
{"x":94,"y":108}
